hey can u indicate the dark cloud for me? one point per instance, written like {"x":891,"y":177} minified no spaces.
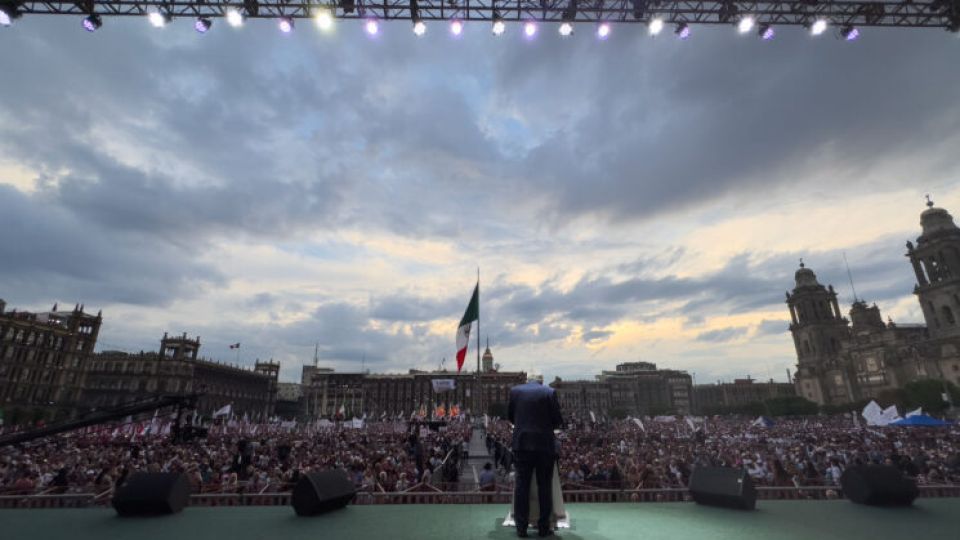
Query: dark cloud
{"x":772,"y":327}
{"x":721,"y":335}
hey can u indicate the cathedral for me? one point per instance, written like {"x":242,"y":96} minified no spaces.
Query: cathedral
{"x":842,"y":360}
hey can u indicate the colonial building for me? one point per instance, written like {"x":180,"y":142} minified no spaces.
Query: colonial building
{"x":714,"y":397}
{"x":839,"y":362}
{"x":399,"y":395}
{"x":634,"y":388}
{"x":117,"y":377}
{"x":43,"y":360}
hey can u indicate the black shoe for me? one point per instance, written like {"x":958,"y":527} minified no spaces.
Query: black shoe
{"x":545,"y":532}
{"x":522,"y":533}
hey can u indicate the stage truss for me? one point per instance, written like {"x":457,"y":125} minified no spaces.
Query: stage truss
{"x":909,"y":14}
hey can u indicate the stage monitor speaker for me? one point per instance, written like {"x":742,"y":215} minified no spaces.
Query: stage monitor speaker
{"x":723,"y":486}
{"x":320,"y":492}
{"x":878,"y":485}
{"x":152,"y":494}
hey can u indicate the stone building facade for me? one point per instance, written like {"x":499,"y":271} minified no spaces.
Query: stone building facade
{"x":115,"y":378}
{"x":634,"y":388}
{"x":43,"y":360}
{"x":713,"y":397}
{"x":399,"y":395}
{"x":841,"y":360}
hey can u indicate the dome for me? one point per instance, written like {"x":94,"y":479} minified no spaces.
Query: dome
{"x":934,"y":220}
{"x":805,"y":277}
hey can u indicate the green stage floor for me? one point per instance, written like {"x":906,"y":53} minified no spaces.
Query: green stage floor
{"x":929,"y":519}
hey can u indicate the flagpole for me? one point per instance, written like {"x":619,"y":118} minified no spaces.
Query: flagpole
{"x":479,"y":391}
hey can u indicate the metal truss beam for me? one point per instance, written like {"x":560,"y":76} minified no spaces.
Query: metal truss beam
{"x":881,"y":13}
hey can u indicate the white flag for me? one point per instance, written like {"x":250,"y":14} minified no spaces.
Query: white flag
{"x":639,"y":424}
{"x":593,"y":417}
{"x":916,"y":412}
{"x":223,"y":411}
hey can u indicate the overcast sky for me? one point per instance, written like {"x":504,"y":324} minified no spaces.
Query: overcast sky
{"x":632,"y":199}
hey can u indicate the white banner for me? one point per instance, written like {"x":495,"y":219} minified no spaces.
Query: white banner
{"x":443,"y":385}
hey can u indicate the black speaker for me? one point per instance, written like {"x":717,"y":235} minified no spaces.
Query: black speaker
{"x":319,"y":492}
{"x":878,"y":485}
{"x":723,"y":486}
{"x":152,"y":494}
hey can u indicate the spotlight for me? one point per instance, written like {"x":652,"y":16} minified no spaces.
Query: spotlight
{"x":456,"y":28}
{"x":323,"y":19}
{"x":818,"y":27}
{"x":419,"y":28}
{"x":682,"y":31}
{"x":285,"y":24}
{"x":745,"y":25}
{"x":766,"y":32}
{"x":159,"y":20}
{"x":202,"y":24}
{"x":656,"y":26}
{"x":499,"y":27}
{"x":8,"y":12}
{"x":530,"y":29}
{"x":603,"y":31}
{"x":234,"y":18}
{"x":372,"y":27}
{"x":849,"y":32}
{"x":92,"y":22}
{"x":565,"y":29}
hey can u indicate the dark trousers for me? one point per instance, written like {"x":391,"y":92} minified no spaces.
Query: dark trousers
{"x":527,"y":463}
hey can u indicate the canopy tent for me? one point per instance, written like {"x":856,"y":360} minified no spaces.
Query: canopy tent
{"x":763,"y":421}
{"x":920,"y":420}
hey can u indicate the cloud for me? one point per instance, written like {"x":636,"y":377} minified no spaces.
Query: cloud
{"x":772,"y":327}
{"x":723,"y":334}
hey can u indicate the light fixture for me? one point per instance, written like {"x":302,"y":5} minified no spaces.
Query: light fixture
{"x":499,"y":27}
{"x":8,"y":12}
{"x":323,"y":19}
{"x":158,"y":19}
{"x":682,"y":31}
{"x":530,"y":29}
{"x":745,"y":25}
{"x":603,"y":30}
{"x":456,"y":28}
{"x":850,"y":32}
{"x":92,"y":22}
{"x":766,"y":32}
{"x":285,"y":24}
{"x":419,"y":28}
{"x":655,"y":26}
{"x":202,"y":24}
{"x":565,"y":29}
{"x":372,"y":27}
{"x":818,"y":27}
{"x":234,"y":17}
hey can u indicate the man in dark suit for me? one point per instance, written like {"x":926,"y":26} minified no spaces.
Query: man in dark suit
{"x":534,"y":412}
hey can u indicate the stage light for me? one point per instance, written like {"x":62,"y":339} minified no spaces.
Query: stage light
{"x":92,"y":22}
{"x":499,"y":27}
{"x":8,"y":12}
{"x":656,"y":26}
{"x":745,"y":25}
{"x":159,"y":20}
{"x":323,"y":19}
{"x":202,"y":24}
{"x":456,"y":28}
{"x":285,"y":24}
{"x":530,"y":29}
{"x":850,"y":33}
{"x":603,"y":30}
{"x":419,"y":28}
{"x":766,"y":32}
{"x":566,"y":29}
{"x":372,"y":27}
{"x":234,"y":18}
{"x":682,"y":31}
{"x":818,"y":27}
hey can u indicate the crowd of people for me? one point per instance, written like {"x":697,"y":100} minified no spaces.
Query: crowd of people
{"x":379,"y":456}
{"x":397,"y":456}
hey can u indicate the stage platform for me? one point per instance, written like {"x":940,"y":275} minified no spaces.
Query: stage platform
{"x":929,"y":519}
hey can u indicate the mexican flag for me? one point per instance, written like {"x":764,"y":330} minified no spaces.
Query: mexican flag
{"x":463,"y":331}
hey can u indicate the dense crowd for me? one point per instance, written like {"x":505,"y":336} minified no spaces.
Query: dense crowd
{"x":379,"y":456}
{"x":394,"y":456}
{"x":651,"y":454}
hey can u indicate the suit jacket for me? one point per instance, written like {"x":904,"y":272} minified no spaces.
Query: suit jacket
{"x":534,"y":412}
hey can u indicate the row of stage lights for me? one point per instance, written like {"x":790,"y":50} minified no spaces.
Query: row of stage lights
{"x":324,"y":20}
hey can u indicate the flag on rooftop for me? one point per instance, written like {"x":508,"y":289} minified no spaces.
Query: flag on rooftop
{"x":463,"y":330}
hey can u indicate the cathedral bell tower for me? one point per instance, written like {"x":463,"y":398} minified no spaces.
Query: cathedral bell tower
{"x":936,"y":263}
{"x":818,"y":330}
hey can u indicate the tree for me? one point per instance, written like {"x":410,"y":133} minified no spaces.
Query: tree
{"x":618,"y":413}
{"x":928,"y":394}
{"x":790,"y":406}
{"x":497,"y":410}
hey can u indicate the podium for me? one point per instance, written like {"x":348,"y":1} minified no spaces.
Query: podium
{"x":560,"y":518}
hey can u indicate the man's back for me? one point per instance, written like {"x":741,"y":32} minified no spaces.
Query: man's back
{"x":534,"y":412}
